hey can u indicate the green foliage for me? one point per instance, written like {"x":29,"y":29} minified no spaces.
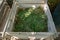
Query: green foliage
{"x":30,"y":20}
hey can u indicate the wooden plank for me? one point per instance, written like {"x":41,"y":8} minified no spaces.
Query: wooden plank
{"x":31,"y":1}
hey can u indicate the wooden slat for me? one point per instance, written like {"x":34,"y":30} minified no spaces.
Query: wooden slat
{"x":31,"y":1}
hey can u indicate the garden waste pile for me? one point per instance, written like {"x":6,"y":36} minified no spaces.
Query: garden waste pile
{"x":30,"y":20}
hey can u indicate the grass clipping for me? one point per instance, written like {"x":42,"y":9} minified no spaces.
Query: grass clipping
{"x":30,"y":20}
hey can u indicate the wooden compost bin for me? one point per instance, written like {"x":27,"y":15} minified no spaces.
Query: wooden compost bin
{"x":25,"y":4}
